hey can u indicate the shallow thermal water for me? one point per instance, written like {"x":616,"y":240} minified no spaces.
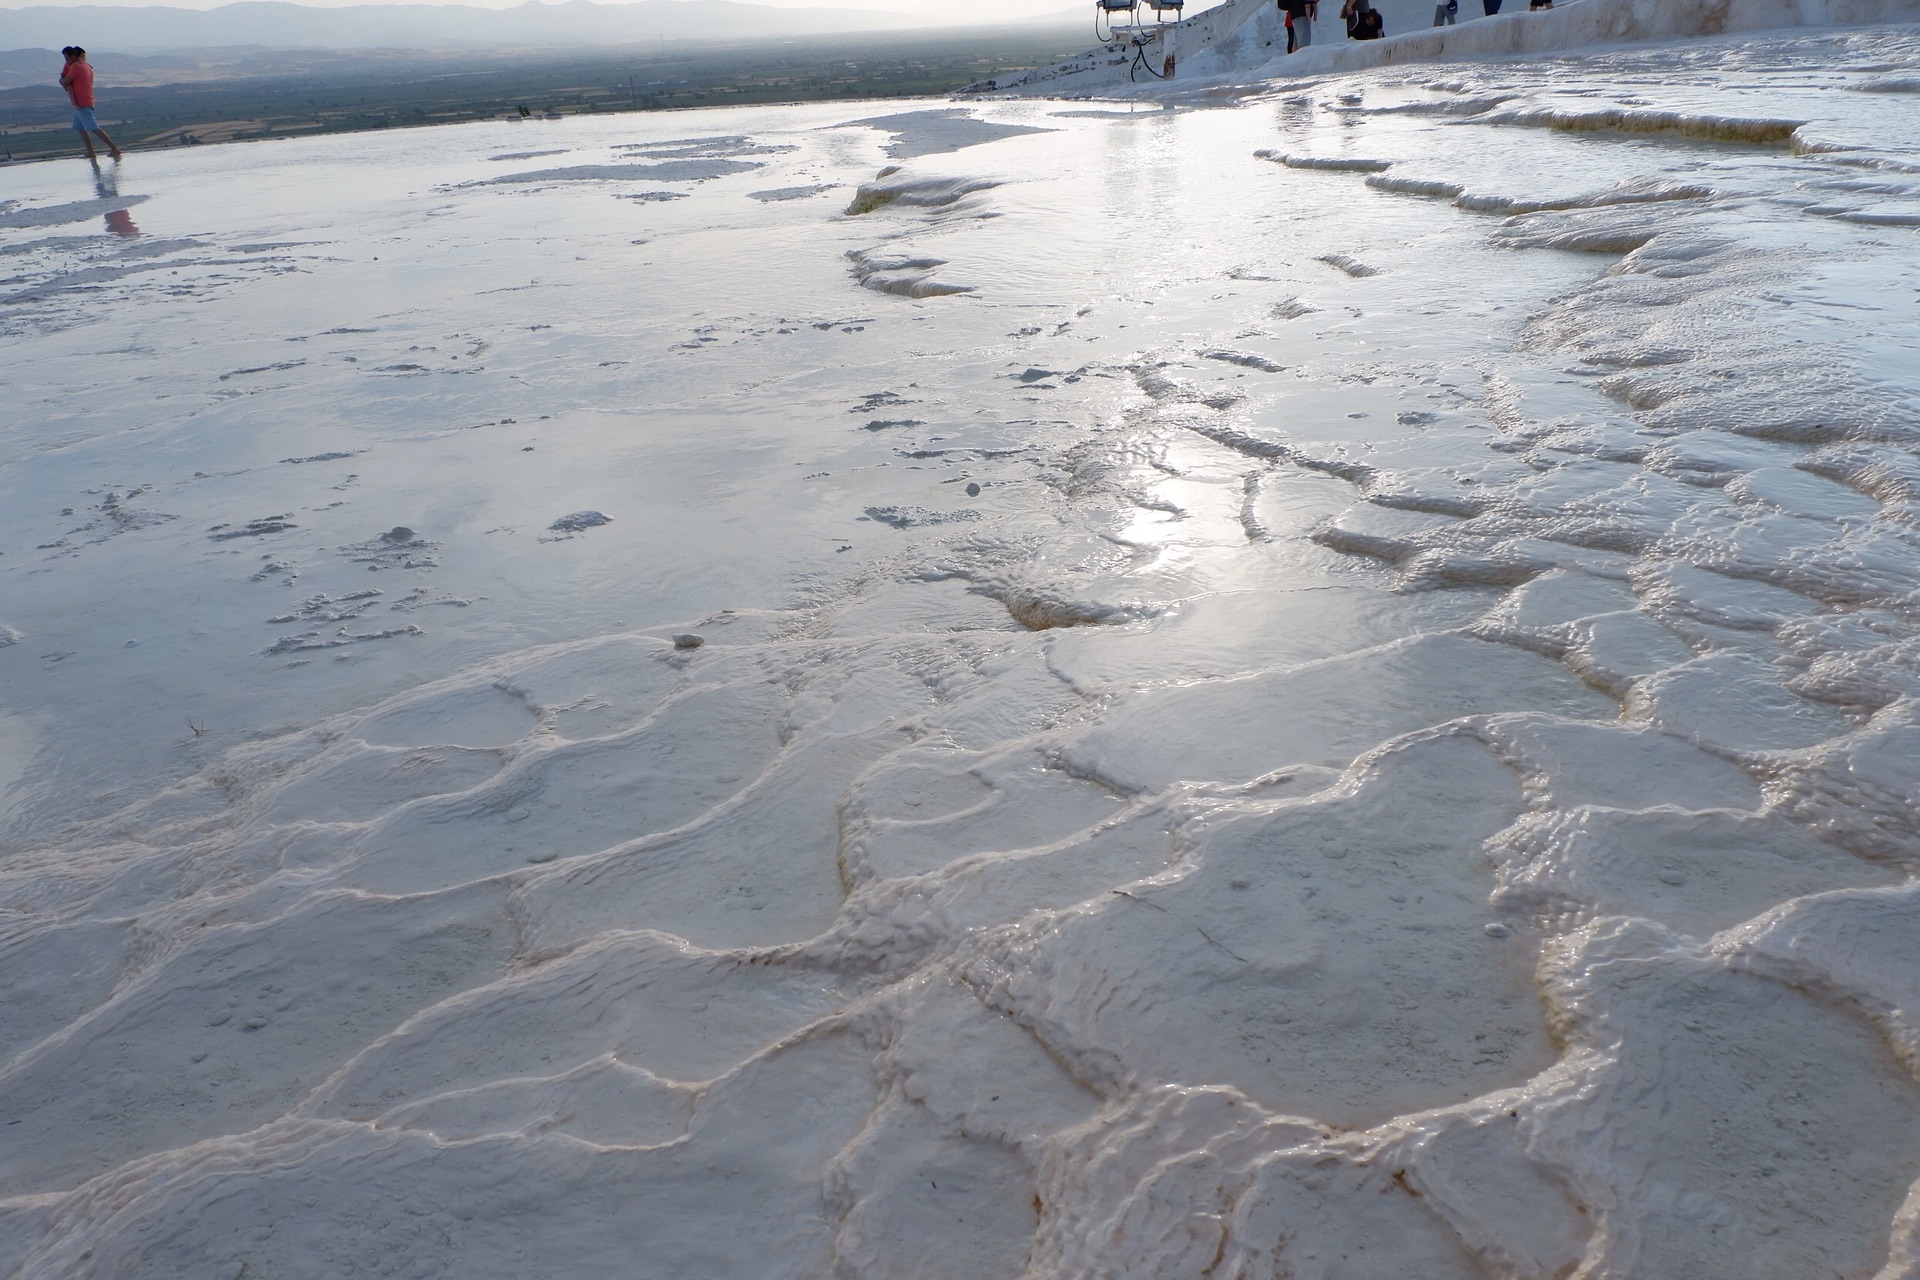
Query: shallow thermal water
{"x":1319,"y":684}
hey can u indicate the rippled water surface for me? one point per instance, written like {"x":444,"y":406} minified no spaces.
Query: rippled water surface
{"x":1319,"y":683}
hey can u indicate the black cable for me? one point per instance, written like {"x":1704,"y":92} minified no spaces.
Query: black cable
{"x":1140,"y":60}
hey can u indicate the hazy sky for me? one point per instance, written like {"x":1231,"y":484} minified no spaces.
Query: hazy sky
{"x":932,"y":12}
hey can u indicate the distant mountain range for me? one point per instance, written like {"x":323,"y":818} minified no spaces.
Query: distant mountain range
{"x":275,"y":25}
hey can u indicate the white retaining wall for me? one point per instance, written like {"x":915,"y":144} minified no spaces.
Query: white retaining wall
{"x":1245,"y":38}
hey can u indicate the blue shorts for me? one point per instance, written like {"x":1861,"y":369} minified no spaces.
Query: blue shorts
{"x":83,"y":120}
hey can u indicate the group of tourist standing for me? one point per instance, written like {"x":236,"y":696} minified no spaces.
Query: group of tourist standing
{"x":1446,"y":11}
{"x":1364,"y":21}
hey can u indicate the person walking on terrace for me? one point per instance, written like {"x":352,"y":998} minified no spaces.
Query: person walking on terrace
{"x":77,"y":80}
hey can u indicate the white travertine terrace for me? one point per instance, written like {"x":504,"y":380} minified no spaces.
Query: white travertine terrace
{"x":1325,"y":686}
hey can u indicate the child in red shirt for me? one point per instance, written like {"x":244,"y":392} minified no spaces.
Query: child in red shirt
{"x":77,"y":80}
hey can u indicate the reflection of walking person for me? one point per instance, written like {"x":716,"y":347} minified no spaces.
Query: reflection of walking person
{"x":106,"y":185}
{"x":1300,"y":16}
{"x":77,"y":80}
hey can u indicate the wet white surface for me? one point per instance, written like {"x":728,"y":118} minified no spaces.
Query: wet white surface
{"x":1331,"y":719}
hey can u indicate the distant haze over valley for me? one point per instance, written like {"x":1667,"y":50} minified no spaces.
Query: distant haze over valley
{"x":188,"y":96}
{"x":272,"y":24}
